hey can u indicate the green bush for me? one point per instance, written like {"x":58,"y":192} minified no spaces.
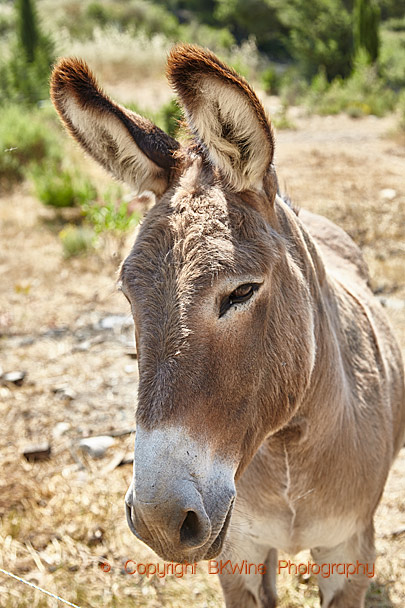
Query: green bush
{"x":112,"y":215}
{"x":7,"y":21}
{"x":271,"y":80}
{"x":23,"y":82}
{"x":293,"y":86}
{"x":26,"y":140}
{"x":218,"y":39}
{"x":320,"y":34}
{"x":391,"y":9}
{"x":62,"y":187}
{"x":171,"y":115}
{"x":401,"y":109}
{"x":392,"y":53}
{"x":76,"y":240}
{"x":252,"y":18}
{"x":364,"y":92}
{"x":280,"y":119}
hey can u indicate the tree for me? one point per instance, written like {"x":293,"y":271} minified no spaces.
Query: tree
{"x":27,"y":28}
{"x":24,"y":74}
{"x":366,"y":19}
{"x":320,"y":35}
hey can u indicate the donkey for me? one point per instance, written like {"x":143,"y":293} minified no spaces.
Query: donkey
{"x":271,"y":390}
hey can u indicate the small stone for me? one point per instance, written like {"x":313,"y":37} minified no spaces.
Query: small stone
{"x":60,"y":429}
{"x":58,"y":388}
{"x":115,"y":322}
{"x":4,"y":392}
{"x":27,"y":341}
{"x":82,"y":347}
{"x":388,"y":194}
{"x":127,"y":459}
{"x":38,"y":452}
{"x":97,"y":537}
{"x":96,"y":446}
{"x":16,"y":377}
{"x":56,"y":333}
{"x":64,"y":392}
{"x":130,"y":369}
{"x":67,"y":395}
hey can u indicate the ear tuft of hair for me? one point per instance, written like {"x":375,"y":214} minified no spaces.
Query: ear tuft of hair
{"x":224,"y":113}
{"x":73,"y":81}
{"x":73,"y":75}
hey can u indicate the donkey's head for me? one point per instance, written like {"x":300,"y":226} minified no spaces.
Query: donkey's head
{"x":224,"y":332}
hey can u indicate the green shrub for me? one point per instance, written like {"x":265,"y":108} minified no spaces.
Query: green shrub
{"x":392,"y":54}
{"x":293,"y":87}
{"x":257,"y":18}
{"x":76,"y":240}
{"x":401,"y":109}
{"x":171,"y":115}
{"x":112,"y":215}
{"x":280,"y":119}
{"x":391,"y":9}
{"x":270,"y":80}
{"x":26,"y":139}
{"x":23,"y":82}
{"x":364,"y":92}
{"x":320,"y":34}
{"x":62,"y":187}
{"x":217,"y":39}
{"x":7,"y":20}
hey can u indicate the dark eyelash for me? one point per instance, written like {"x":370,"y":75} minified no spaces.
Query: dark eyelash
{"x":233,"y":299}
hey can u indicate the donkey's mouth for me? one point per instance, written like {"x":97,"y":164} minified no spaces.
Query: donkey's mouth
{"x":216,"y":547}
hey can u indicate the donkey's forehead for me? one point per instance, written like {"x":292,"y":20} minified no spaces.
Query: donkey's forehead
{"x":202,"y":231}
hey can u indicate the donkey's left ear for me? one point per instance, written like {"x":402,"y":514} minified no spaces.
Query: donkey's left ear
{"x":224,"y":113}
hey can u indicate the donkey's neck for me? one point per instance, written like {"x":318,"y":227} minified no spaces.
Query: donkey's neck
{"x":326,"y":399}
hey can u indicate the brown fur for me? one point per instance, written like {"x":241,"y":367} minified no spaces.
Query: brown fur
{"x":301,"y":389}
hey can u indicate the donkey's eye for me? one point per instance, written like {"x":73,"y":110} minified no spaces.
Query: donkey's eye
{"x":240,"y":294}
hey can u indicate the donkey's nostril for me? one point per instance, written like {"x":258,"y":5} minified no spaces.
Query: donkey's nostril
{"x":190,"y":531}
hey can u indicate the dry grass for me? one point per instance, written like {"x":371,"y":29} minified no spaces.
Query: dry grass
{"x":59,"y":519}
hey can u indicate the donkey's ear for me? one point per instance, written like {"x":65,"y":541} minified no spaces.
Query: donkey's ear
{"x":129,"y":146}
{"x":225,"y":115}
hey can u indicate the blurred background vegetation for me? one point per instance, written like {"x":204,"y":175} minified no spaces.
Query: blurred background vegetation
{"x":329,"y":56}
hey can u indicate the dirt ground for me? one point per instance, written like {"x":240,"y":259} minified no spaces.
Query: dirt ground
{"x":63,"y":323}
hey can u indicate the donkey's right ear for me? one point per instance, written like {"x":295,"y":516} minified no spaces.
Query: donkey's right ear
{"x":132,"y":148}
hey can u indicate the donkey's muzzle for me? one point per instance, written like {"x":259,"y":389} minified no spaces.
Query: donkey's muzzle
{"x":178,"y":526}
{"x":180,"y":500}
{"x":178,"y":530}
